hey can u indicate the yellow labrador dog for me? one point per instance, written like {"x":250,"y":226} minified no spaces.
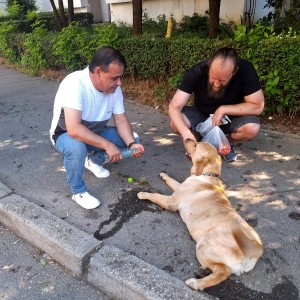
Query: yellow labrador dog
{"x":226,"y":244}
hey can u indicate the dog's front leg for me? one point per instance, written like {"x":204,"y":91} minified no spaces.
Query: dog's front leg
{"x":166,"y":202}
{"x":172,"y":183}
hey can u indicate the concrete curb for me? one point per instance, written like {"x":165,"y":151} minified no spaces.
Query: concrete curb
{"x":109,"y":269}
{"x":63,"y":242}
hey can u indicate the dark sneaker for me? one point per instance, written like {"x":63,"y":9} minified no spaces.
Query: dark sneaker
{"x":232,"y":155}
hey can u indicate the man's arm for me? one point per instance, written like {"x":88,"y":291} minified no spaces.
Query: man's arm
{"x":179,"y":123}
{"x":80,"y":132}
{"x":253,"y":105}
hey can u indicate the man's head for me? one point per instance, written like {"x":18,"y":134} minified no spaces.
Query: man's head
{"x":106,"y":69}
{"x":222,"y":66}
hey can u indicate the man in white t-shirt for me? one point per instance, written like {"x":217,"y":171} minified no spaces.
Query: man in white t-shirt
{"x":84,"y":103}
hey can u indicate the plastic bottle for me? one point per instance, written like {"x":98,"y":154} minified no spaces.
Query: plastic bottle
{"x":126,"y":153}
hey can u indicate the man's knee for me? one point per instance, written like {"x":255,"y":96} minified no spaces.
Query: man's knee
{"x":75,"y":149}
{"x":248,"y":131}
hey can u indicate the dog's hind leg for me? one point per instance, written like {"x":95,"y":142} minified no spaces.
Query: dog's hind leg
{"x":166,"y":202}
{"x":219,"y":273}
{"x":172,"y":183}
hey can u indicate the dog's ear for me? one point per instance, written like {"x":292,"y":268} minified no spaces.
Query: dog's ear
{"x":199,"y":166}
{"x":190,"y":145}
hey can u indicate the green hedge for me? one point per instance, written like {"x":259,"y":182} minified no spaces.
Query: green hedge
{"x":277,"y":60}
{"x":146,"y":57}
{"x":184,"y":52}
{"x":25,"y":25}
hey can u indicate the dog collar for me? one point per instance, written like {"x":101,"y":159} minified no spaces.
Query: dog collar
{"x":211,"y":174}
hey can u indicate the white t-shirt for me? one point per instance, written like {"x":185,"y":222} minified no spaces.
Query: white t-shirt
{"x":77,"y":91}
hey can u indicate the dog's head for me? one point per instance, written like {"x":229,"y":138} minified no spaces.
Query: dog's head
{"x":205,"y":157}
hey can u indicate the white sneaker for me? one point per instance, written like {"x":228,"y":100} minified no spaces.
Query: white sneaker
{"x":98,"y":171}
{"x":86,"y":200}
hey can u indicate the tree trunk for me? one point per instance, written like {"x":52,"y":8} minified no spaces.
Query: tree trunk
{"x":70,"y":11}
{"x":62,"y":13}
{"x":56,"y":15}
{"x":137,"y":16}
{"x":214,"y":17}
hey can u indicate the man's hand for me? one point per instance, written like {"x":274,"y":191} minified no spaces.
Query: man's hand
{"x":137,"y":150}
{"x":113,"y":152}
{"x":217,"y":117}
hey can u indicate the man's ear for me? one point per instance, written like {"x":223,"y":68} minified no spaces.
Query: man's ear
{"x":97,"y":71}
{"x":190,"y":145}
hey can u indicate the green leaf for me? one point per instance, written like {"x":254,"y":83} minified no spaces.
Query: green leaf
{"x":43,"y":261}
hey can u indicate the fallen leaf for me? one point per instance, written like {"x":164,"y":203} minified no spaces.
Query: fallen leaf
{"x":8,"y":268}
{"x":43,"y":261}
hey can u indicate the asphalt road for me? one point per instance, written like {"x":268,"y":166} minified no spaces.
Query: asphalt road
{"x":263,"y":185}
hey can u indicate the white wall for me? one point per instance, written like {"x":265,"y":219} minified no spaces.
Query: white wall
{"x":230,"y":10}
{"x":121,"y":10}
{"x":43,"y":5}
{"x":98,"y":8}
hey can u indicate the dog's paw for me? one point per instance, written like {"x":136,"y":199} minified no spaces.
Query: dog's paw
{"x":141,"y":195}
{"x":163,"y":175}
{"x":194,"y":283}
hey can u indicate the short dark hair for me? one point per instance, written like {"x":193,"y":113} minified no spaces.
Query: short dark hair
{"x":226,"y":53}
{"x":104,"y":56}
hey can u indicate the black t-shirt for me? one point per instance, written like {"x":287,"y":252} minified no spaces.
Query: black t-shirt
{"x":245,"y":82}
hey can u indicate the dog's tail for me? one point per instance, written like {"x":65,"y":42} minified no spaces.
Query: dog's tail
{"x":248,"y":240}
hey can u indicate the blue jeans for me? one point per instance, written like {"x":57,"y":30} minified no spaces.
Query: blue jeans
{"x":75,"y":152}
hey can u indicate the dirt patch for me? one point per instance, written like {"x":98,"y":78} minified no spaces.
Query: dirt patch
{"x":282,"y":123}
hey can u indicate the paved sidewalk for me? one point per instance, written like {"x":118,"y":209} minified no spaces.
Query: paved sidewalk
{"x":132,"y":249}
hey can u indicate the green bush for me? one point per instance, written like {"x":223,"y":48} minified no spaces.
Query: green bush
{"x":36,"y":45}
{"x":6,"y":50}
{"x":184,"y":52}
{"x":158,"y":26}
{"x":276,"y":58}
{"x":25,"y":23}
{"x":253,"y":36}
{"x":146,"y":56}
{"x":278,"y":66}
{"x":20,"y":7}
{"x":75,"y":45}
{"x":15,"y":10}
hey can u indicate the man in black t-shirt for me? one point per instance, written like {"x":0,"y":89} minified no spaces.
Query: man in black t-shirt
{"x":222,"y":85}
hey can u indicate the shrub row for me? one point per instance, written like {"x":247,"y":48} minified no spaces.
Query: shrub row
{"x":25,"y":25}
{"x":276,"y":59}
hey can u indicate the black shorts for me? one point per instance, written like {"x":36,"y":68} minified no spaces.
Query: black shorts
{"x":195,"y":117}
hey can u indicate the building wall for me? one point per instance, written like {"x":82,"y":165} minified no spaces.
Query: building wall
{"x":98,"y":8}
{"x":230,"y":10}
{"x":121,"y":10}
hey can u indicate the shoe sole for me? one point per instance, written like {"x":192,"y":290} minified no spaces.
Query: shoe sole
{"x":232,"y":160}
